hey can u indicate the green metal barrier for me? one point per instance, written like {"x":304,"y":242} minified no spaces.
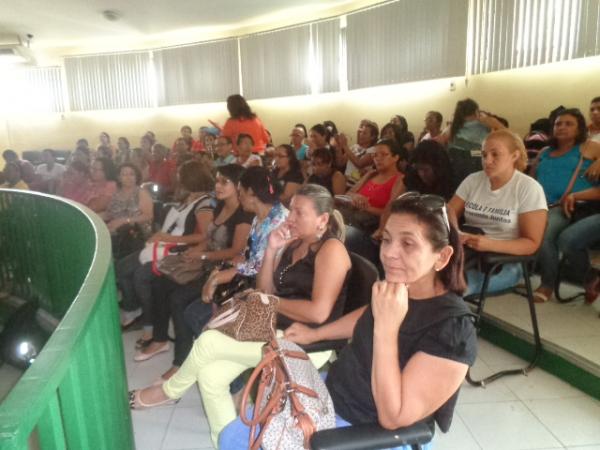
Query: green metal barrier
{"x":74,"y":396}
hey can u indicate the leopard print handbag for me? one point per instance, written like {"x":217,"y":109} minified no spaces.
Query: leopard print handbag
{"x":247,"y":316}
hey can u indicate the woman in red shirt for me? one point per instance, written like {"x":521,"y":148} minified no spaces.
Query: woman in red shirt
{"x":243,"y":121}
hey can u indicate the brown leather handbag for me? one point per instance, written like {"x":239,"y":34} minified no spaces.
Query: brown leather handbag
{"x":292,"y":401}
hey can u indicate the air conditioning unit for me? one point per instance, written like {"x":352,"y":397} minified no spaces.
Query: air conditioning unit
{"x":14,"y":51}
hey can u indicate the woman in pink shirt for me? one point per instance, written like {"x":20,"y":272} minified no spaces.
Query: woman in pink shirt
{"x":243,"y":121}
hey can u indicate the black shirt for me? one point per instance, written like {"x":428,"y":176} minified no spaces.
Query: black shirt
{"x":441,"y":326}
{"x":295,"y":281}
{"x":238,"y":217}
{"x":289,"y":177}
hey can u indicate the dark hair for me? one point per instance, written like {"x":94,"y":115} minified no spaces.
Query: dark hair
{"x":108,"y":167}
{"x":124,"y":139}
{"x":542,"y":124}
{"x":581,"y":126}
{"x":403,"y":123}
{"x":301,"y":125}
{"x":437,"y":115}
{"x":105,"y":134}
{"x":149,"y":139}
{"x":595,"y":100}
{"x":244,"y":136}
{"x":433,"y":154}
{"x":232,"y":172}
{"x":136,"y":170}
{"x":82,"y":141}
{"x":395,"y":149}
{"x":323,"y":203}
{"x":49,"y":150}
{"x":451,"y":276}
{"x":186,"y":127}
{"x":322,"y":130}
{"x":330,"y":125}
{"x":372,"y":126}
{"x":293,"y":159}
{"x":6,"y":154}
{"x":238,"y":107}
{"x":258,"y":179}
{"x":227,"y":138}
{"x":323,"y":154}
{"x":464,"y":108}
{"x":195,"y":177}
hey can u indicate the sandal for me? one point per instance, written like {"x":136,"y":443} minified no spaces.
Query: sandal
{"x":540,"y":297}
{"x":135,"y":401}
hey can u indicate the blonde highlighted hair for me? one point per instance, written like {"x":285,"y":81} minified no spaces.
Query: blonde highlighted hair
{"x":514,"y":143}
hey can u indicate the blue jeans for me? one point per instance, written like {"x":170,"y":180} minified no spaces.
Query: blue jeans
{"x":509,"y":276}
{"x":235,"y":435}
{"x":576,"y":239}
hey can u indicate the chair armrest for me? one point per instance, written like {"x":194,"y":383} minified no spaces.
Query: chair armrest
{"x":372,"y":436}
{"x":322,"y":346}
{"x":503,"y":258}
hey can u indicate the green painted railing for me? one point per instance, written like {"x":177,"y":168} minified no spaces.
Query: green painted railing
{"x":74,"y":396}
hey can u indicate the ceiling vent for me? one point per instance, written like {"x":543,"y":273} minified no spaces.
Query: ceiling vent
{"x":13,"y":51}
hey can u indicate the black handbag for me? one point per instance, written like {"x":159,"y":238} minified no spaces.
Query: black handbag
{"x":128,"y":238}
{"x":237,"y":284}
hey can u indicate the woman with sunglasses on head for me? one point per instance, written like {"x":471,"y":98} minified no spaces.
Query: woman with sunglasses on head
{"x":412,"y":346}
{"x":505,"y":204}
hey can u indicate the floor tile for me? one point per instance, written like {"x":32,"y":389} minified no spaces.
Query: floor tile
{"x":505,"y":425}
{"x":188,"y":429}
{"x":574,"y":421}
{"x":150,"y":427}
{"x":494,"y":392}
{"x":458,"y":437}
{"x":539,"y":384}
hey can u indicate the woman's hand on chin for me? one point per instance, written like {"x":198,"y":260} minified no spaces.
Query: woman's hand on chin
{"x":280,"y":237}
{"x":389,"y":302}
{"x":300,"y":334}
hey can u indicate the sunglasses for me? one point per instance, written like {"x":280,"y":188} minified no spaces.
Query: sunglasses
{"x":428,"y":201}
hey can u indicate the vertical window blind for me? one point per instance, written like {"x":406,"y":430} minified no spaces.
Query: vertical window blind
{"x":325,"y":56}
{"x":111,"y":81}
{"x":508,"y":34}
{"x":200,"y":73}
{"x":406,"y":40}
{"x":277,"y":63}
{"x":32,"y":89}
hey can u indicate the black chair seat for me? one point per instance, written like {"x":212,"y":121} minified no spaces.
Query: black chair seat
{"x":372,"y":436}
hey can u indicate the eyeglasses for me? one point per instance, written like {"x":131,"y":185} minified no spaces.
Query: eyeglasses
{"x":428,"y":201}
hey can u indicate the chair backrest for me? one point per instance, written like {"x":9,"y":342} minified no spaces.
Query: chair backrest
{"x":363,"y":275}
{"x":465,"y":158}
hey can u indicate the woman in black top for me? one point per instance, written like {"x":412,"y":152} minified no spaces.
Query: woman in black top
{"x":226,"y":238}
{"x":287,"y":172}
{"x":412,"y":346}
{"x":325,"y":174}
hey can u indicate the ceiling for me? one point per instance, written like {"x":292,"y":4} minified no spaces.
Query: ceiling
{"x":80,"y":23}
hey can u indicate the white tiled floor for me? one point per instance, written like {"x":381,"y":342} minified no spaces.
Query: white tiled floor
{"x":537,"y":411}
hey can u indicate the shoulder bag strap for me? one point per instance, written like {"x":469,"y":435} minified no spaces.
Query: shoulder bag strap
{"x":573,"y":177}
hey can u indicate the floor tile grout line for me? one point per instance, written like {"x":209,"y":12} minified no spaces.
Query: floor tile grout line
{"x":543,"y":424}
{"x":469,"y":430}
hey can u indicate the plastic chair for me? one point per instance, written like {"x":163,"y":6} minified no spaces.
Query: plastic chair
{"x":489,"y":262}
{"x":372,"y":436}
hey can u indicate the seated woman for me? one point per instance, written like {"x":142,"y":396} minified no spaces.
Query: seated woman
{"x":506,"y":204}
{"x":103,"y":184}
{"x":560,"y":170}
{"x":429,"y":170}
{"x":412,"y":346}
{"x":12,"y":177}
{"x":226,"y":238}
{"x":259,"y":196}
{"x":325,"y":174}
{"x":287,"y":172}
{"x":406,"y":138}
{"x":75,"y":184}
{"x":186,"y":224}
{"x":470,"y":126}
{"x":129,"y":205}
{"x":245,"y":156}
{"x":307,"y":266}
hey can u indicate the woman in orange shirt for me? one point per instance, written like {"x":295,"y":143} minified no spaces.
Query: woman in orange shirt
{"x":243,"y":121}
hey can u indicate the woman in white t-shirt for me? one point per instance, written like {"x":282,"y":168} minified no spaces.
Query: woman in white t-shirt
{"x":509,"y":206}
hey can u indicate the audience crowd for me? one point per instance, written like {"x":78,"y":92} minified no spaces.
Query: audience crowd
{"x":227,"y":209}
